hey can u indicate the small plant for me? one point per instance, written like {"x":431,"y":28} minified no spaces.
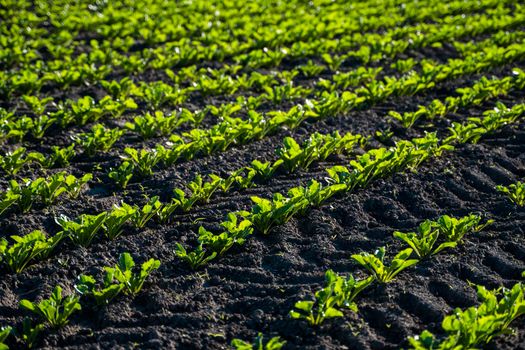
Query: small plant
{"x":424,"y":240}
{"x":25,"y":249}
{"x":144,"y":214}
{"x":515,"y":192}
{"x":185,"y":203}
{"x":50,"y":189}
{"x":337,"y":292}
{"x":75,"y":185}
{"x":259,"y":343}
{"x":29,"y":334}
{"x":56,"y":310}
{"x":60,"y":157}
{"x":99,"y":139}
{"x":310,"y":69}
{"x":122,"y":174}
{"x":83,"y":230}
{"x":123,"y":273}
{"x":117,"y":218}
{"x":13,"y":161}
{"x":265,"y":170}
{"x":196,"y":258}
{"x":86,"y":285}
{"x":454,"y":229}
{"x":143,"y":160}
{"x":475,"y":326}
{"x":374,"y":263}
{"x":204,"y":190}
{"x":269,"y":213}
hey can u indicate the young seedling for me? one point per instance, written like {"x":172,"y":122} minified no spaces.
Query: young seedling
{"x":99,"y":139}
{"x":13,"y":161}
{"x":123,"y":273}
{"x":117,"y":218}
{"x":475,"y":326}
{"x":29,"y":334}
{"x":142,"y":215}
{"x":374,"y":263}
{"x":266,"y":213}
{"x":338,"y":292}
{"x":56,"y":310}
{"x":83,"y":230}
{"x":26,"y":193}
{"x":143,"y":160}
{"x":196,"y":258}
{"x":265,"y":170}
{"x":25,"y":249}
{"x":515,"y":192}
{"x":259,"y":343}
{"x":454,"y":229}
{"x":75,"y":185}
{"x":4,"y":333}
{"x":423,"y":241}
{"x":8,"y":200}
{"x":315,"y":312}
{"x":122,"y":174}
{"x":86,"y":285}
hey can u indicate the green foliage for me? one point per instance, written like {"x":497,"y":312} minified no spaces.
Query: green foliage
{"x":196,"y":258}
{"x":515,"y":192}
{"x":117,"y":217}
{"x":143,"y":160}
{"x":475,"y":326}
{"x":423,"y":241}
{"x":450,"y":230}
{"x":84,"y":229}
{"x":141,"y":216}
{"x":454,"y":229}
{"x":123,"y":273}
{"x":267,"y":213}
{"x":375,"y":264}
{"x":259,"y":343}
{"x":99,"y":139}
{"x":25,"y":249}
{"x":338,"y":292}
{"x":24,"y":194}
{"x":29,"y":334}
{"x":123,"y":277}
{"x":87,"y":285}
{"x":13,"y":161}
{"x":4,"y":333}
{"x":56,"y":310}
{"x":122,"y":174}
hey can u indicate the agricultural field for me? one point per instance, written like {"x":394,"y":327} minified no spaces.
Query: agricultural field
{"x":265,"y":175}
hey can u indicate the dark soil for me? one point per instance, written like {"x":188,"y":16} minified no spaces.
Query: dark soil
{"x":253,"y":287}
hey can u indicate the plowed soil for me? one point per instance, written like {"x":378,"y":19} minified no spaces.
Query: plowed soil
{"x":252,"y":288}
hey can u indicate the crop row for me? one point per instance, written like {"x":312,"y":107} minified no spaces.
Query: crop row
{"x":376,"y":163}
{"x":373,"y":164}
{"x":54,"y":313}
{"x":251,"y":25}
{"x":36,"y":246}
{"x":82,"y":69}
{"x":24,"y":194}
{"x":359,"y":17}
{"x":291,"y":157}
{"x":232,"y":131}
{"x":125,"y":95}
{"x":340,"y":292}
{"x":477,"y":325}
